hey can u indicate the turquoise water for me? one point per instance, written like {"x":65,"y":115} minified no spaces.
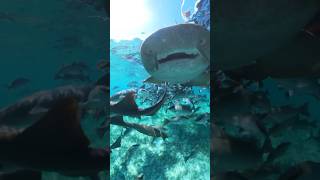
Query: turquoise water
{"x":125,"y":65}
{"x":37,"y":38}
{"x":184,"y":155}
{"x":156,"y":158}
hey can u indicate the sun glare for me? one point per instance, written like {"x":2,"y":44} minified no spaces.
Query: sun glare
{"x":128,"y":18}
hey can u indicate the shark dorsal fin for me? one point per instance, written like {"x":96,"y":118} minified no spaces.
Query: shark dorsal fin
{"x":58,"y":130}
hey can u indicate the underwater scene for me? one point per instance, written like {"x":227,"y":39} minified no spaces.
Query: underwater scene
{"x":53,"y":89}
{"x":159,"y":89}
{"x":266,"y":90}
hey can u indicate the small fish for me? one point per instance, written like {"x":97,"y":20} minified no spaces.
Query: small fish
{"x":183,"y":109}
{"x":203,"y":118}
{"x":140,"y":176}
{"x":260,"y":102}
{"x":132,"y":84}
{"x":279,"y":151}
{"x":193,"y":152}
{"x":73,"y":76}
{"x":130,"y":153}
{"x":282,"y":113}
{"x":18,"y":83}
{"x":128,"y":57}
{"x":248,"y":124}
{"x":7,"y":17}
{"x":313,"y":28}
{"x":73,"y":71}
{"x":295,"y":122}
{"x":175,"y":119}
{"x":117,"y":143}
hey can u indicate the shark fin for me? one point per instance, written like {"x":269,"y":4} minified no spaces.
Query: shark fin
{"x":127,"y":104}
{"x":152,"y":80}
{"x":150,"y":111}
{"x":59,"y":130}
{"x":117,"y":120}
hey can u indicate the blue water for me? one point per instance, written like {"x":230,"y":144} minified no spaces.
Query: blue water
{"x":185,"y":154}
{"x":43,"y":37}
{"x":125,"y":65}
{"x":37,"y":38}
{"x":156,"y":158}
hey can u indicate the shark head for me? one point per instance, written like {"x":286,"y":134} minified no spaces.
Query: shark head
{"x":177,"y":54}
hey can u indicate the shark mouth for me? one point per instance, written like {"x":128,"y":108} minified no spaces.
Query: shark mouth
{"x":177,"y":56}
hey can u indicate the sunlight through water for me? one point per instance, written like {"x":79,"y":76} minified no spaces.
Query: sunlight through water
{"x":128,"y":19}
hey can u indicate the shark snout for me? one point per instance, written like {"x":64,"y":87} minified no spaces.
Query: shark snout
{"x":176,"y":54}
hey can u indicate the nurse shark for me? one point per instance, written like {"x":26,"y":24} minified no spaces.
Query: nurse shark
{"x":55,"y":143}
{"x":178,"y":54}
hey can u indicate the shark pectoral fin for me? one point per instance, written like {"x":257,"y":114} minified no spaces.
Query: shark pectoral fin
{"x":202,"y":80}
{"x":118,"y":120}
{"x":127,"y":105}
{"x":150,"y":111}
{"x":21,"y":174}
{"x":152,"y":80}
{"x":58,"y":131}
